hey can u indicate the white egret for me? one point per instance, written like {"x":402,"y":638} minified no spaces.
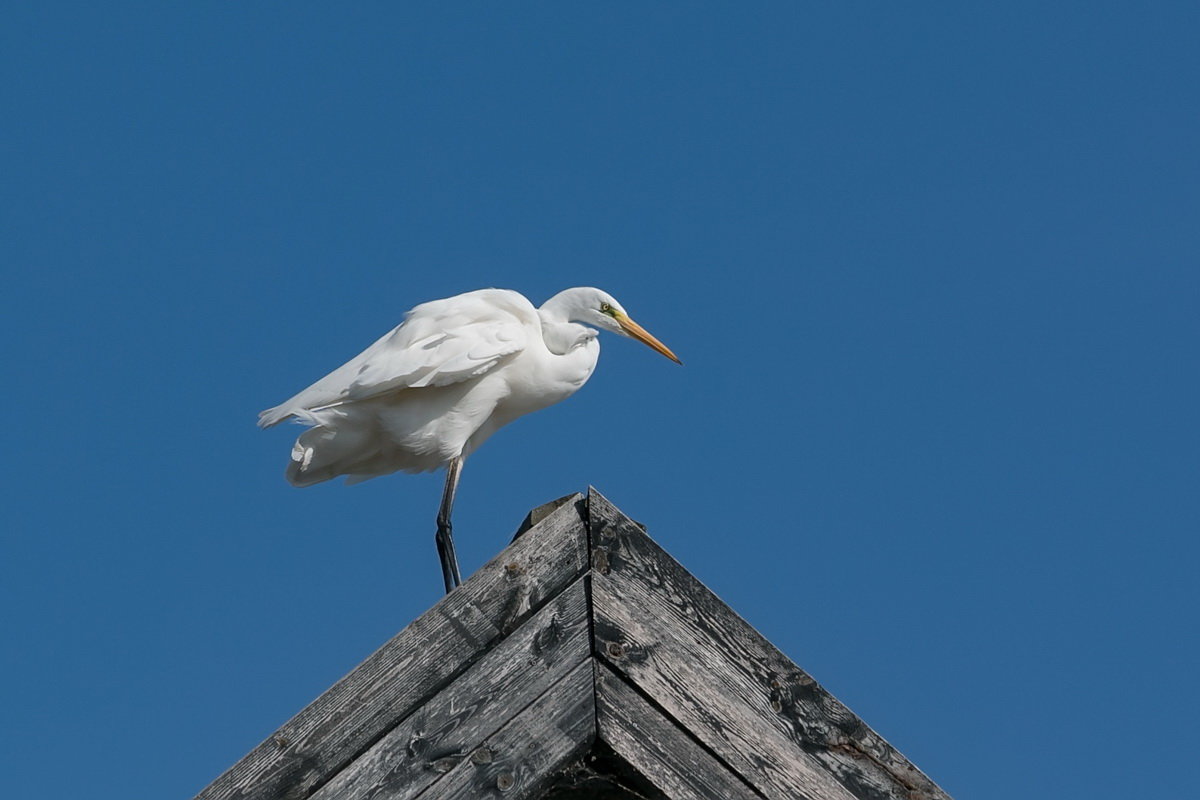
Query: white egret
{"x":432,"y":390}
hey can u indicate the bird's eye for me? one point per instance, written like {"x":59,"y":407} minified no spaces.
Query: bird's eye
{"x":605,"y":308}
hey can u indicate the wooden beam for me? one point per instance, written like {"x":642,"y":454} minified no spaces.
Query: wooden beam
{"x":544,"y":510}
{"x":585,"y":662}
{"x":668,"y":635}
{"x":520,"y":759}
{"x":457,"y":722}
{"x":399,"y":677}
{"x":601,"y":774}
{"x":661,"y":751}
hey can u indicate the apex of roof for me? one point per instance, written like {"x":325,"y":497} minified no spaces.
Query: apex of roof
{"x":580,"y":662}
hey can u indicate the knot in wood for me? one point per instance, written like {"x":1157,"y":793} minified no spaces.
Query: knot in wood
{"x":600,"y":560}
{"x":444,"y":765}
{"x":512,"y":569}
{"x":505,"y":781}
{"x":600,"y":528}
{"x":777,"y":695}
{"x":546,"y":640}
{"x":483,"y":755}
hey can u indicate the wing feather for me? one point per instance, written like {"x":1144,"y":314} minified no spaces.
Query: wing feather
{"x":439,"y":343}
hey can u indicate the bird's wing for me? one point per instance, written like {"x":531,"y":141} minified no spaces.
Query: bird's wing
{"x":439,"y":343}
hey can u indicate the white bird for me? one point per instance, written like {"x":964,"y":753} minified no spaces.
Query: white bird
{"x":432,"y":390}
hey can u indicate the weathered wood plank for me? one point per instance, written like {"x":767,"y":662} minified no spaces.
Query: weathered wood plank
{"x":544,"y":510}
{"x":600,"y":774}
{"x":688,"y":679}
{"x":656,"y":624}
{"x":658,"y":748}
{"x":520,"y":759}
{"x":324,"y":737}
{"x":455,"y":722}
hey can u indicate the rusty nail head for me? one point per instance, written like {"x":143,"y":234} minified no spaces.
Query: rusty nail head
{"x":615,"y":649}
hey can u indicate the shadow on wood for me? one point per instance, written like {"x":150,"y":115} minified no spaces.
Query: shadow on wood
{"x":580,"y":662}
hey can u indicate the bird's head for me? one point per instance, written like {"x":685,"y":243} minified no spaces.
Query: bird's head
{"x":601,"y":310}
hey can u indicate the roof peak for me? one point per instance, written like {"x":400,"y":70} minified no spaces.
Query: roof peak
{"x":582,"y":658}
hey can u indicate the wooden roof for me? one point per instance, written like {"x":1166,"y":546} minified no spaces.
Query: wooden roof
{"x":580,"y":662}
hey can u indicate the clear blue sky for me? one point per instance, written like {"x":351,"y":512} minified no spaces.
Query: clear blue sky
{"x":933,"y":272}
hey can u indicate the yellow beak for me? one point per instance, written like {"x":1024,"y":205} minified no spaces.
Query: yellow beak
{"x":643,"y":336}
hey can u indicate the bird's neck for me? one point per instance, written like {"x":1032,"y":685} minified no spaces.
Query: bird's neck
{"x":558,"y":331}
{"x":562,"y":337}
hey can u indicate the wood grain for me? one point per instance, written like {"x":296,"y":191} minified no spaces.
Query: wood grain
{"x":544,"y":510}
{"x":658,"y":748}
{"x":523,"y":756}
{"x":455,"y":723}
{"x":583,"y":660}
{"x":400,"y":676}
{"x":600,"y":774}
{"x":714,"y":674}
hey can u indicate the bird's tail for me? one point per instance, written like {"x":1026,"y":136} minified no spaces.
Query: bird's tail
{"x":273,"y":416}
{"x":328,"y":449}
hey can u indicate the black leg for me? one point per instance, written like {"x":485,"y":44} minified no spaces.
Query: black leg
{"x":445,"y":536}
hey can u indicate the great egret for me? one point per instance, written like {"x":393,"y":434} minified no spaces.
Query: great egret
{"x":430,"y":391}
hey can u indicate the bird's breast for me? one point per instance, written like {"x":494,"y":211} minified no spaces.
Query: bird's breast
{"x":536,"y":381}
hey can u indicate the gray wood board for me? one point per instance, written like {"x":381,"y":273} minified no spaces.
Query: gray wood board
{"x":658,"y":748}
{"x":455,"y":723}
{"x":601,"y":774}
{"x":666,"y":633}
{"x":421,"y":659}
{"x":522,"y":757}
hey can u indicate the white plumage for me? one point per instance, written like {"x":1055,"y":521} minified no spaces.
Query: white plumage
{"x":440,"y":383}
{"x":433,"y":389}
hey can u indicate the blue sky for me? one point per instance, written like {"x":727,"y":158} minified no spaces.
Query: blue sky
{"x":932,"y":271}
